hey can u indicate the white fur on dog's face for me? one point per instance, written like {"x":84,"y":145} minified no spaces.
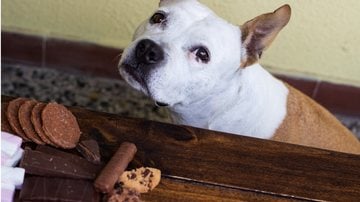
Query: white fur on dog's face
{"x":181,"y":78}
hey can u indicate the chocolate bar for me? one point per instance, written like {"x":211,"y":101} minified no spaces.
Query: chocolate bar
{"x":56,"y":152}
{"x":54,"y":165}
{"x":90,"y":150}
{"x":116,"y":166}
{"x":57,"y":189}
{"x":72,"y":157}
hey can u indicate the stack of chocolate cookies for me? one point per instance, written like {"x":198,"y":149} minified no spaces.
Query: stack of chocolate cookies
{"x":41,"y":123}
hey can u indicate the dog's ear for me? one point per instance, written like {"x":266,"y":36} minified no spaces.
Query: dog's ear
{"x":258,"y":33}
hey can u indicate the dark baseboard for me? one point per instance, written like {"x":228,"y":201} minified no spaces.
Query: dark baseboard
{"x":96,"y":60}
{"x":72,"y":56}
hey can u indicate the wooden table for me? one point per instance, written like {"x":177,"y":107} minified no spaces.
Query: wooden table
{"x":203,"y":165}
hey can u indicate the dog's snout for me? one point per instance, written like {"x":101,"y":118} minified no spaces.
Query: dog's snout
{"x":148,"y":52}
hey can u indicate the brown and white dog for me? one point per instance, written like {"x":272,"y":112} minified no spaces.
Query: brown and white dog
{"x":206,"y":72}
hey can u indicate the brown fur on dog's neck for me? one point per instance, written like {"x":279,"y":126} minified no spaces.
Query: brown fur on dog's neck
{"x":307,"y":123}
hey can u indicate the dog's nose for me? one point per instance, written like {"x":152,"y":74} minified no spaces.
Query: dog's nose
{"x":148,"y":52}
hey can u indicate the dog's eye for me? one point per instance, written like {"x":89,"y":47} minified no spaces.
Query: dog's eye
{"x":202,"y":54}
{"x":157,"y":18}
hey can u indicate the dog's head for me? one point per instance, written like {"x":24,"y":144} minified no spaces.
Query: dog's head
{"x":184,"y":51}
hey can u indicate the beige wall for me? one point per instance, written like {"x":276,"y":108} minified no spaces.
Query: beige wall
{"x":322,"y":40}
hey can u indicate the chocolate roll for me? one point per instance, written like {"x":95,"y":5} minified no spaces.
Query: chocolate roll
{"x":116,"y":166}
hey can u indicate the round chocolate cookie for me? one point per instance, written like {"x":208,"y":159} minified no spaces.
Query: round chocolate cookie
{"x":13,"y":118}
{"x":37,"y":122}
{"x":25,"y":122}
{"x":5,"y":125}
{"x":60,"y":125}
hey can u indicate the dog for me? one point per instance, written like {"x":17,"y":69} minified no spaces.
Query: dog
{"x":206,"y":72}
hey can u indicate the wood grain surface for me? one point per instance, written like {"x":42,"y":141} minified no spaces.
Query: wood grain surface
{"x":171,"y":189}
{"x":203,"y":165}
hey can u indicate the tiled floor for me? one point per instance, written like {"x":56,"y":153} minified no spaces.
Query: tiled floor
{"x":107,"y":95}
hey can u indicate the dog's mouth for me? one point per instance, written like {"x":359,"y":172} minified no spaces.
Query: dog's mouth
{"x":161,"y":104}
{"x":139,"y":77}
{"x":133,"y":71}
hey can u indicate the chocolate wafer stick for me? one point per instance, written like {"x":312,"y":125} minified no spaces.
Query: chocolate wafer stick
{"x":110,"y":174}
